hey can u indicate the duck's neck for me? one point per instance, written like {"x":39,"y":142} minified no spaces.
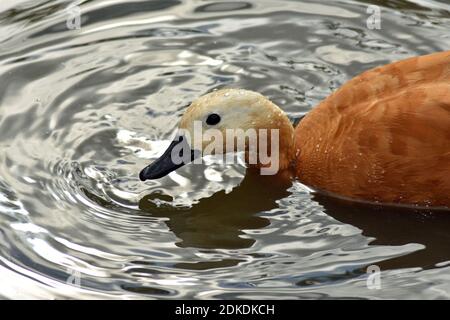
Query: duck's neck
{"x":280,"y":146}
{"x":287,"y":145}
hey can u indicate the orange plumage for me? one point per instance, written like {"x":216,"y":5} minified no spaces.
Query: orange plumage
{"x":383,"y":136}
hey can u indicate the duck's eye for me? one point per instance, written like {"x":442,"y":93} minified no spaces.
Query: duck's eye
{"x":213,"y":119}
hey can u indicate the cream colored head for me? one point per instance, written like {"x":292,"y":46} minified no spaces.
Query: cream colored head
{"x":234,"y":110}
{"x":237,"y":109}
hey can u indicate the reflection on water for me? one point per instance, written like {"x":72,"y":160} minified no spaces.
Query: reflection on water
{"x":82,"y":111}
{"x":397,"y":226}
{"x":198,"y":226}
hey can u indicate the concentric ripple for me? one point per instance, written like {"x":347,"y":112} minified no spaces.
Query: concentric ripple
{"x":82,"y":111}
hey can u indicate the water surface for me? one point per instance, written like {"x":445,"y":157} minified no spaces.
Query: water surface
{"x":82,"y":111}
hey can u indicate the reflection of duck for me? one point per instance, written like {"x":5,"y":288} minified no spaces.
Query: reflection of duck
{"x":217,"y":221}
{"x":399,"y":226}
{"x":383,"y":137}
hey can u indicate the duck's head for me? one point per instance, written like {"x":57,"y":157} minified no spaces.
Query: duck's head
{"x":229,"y":120}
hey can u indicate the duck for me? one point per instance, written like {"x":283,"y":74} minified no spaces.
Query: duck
{"x":383,"y":137}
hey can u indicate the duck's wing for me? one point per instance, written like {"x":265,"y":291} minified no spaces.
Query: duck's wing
{"x":384,"y":136}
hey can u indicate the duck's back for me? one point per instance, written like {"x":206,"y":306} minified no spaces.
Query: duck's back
{"x":384,"y":136}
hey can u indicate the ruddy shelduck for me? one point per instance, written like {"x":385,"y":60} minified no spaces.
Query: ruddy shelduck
{"x":383,"y":137}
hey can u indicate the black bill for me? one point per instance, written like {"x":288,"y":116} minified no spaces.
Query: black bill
{"x":177,"y":155}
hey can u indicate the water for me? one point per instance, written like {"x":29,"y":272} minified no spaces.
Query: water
{"x":82,"y":111}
